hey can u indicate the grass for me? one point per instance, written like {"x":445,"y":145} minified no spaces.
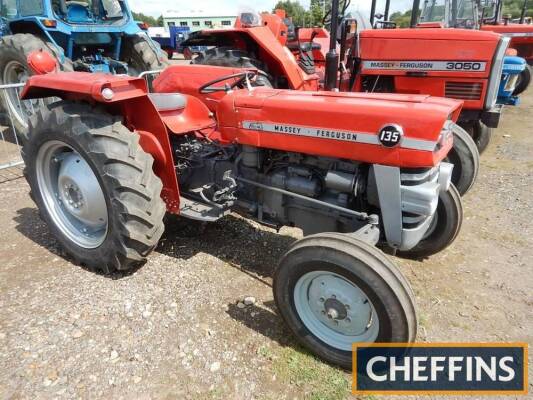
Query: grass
{"x":298,"y":368}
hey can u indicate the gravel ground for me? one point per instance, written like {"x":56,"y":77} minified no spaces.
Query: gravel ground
{"x":179,"y":328}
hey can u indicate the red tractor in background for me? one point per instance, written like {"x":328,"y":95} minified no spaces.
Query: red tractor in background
{"x":485,"y":15}
{"x":351,"y":170}
{"x":520,"y":32}
{"x":453,"y":63}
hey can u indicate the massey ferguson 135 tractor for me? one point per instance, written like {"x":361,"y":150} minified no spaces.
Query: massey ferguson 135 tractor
{"x":86,"y":35}
{"x":351,"y":170}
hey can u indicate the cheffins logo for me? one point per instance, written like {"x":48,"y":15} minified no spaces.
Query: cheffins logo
{"x":445,"y":368}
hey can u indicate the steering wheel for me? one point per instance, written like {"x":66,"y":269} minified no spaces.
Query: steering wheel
{"x":240,"y":79}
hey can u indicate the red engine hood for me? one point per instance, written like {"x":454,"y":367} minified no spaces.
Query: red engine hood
{"x":437,"y":52}
{"x":341,"y":125}
{"x":467,"y":35}
{"x":509,"y":28}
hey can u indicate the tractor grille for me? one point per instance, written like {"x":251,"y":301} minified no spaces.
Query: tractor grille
{"x":464,"y":90}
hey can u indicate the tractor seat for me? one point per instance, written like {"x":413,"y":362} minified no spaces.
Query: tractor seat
{"x":168,"y":101}
{"x":306,"y":46}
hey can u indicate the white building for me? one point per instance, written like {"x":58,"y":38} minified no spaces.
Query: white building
{"x":197,"y":20}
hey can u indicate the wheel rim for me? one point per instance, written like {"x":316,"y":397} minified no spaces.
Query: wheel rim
{"x":335,"y":310}
{"x":72,"y":194}
{"x":15,"y":72}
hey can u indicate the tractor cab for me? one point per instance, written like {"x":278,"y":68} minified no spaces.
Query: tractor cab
{"x":110,"y":12}
{"x":449,"y":14}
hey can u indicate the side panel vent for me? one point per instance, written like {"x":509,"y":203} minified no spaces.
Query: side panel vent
{"x":464,"y":90}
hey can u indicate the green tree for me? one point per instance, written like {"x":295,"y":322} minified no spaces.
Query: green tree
{"x":294,"y":10}
{"x":402,"y":19}
{"x":514,"y":7}
{"x":146,"y":18}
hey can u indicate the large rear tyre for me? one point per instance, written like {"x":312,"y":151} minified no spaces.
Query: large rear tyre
{"x":444,"y":228}
{"x":143,"y":55}
{"x":94,"y":186}
{"x":465,"y":159}
{"x":523,"y":81}
{"x":229,"y":57}
{"x":333,"y":290}
{"x":14,"y":52}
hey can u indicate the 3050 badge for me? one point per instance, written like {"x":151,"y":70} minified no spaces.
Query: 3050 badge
{"x":440,"y":368}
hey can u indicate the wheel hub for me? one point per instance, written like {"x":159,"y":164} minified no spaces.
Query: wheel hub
{"x":335,"y":309}
{"x":80,"y":192}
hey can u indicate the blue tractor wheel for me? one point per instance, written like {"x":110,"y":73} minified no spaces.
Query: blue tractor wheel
{"x":523,"y":81}
{"x":14,"y":51}
{"x":142,"y":55}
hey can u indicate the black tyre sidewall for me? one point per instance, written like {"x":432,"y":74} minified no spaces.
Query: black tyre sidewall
{"x":465,"y":157}
{"x":450,"y":218}
{"x":523,"y":81}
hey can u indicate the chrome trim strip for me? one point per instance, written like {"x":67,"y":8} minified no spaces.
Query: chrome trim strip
{"x":496,"y":72}
{"x":332,"y":134}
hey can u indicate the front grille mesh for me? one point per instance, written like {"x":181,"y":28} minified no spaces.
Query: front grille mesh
{"x":464,"y":90}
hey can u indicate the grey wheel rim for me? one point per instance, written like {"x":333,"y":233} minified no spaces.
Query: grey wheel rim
{"x":15,"y":72}
{"x":72,"y":194}
{"x":335,"y":310}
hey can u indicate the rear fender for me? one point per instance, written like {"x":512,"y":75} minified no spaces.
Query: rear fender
{"x":130,"y":99}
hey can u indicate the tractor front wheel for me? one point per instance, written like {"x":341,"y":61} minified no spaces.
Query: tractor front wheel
{"x":333,"y":290}
{"x":465,"y":159}
{"x":14,"y":69}
{"x":443,"y":229}
{"x":94,"y":186}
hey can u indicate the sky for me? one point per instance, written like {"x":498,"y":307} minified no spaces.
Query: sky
{"x":156,"y":8}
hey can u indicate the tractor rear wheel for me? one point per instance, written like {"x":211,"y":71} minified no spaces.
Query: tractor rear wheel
{"x":229,"y":57}
{"x":523,"y":81}
{"x":444,"y":227}
{"x":14,"y":68}
{"x":465,"y":159}
{"x":94,"y":186}
{"x":333,"y":290}
{"x":143,"y":55}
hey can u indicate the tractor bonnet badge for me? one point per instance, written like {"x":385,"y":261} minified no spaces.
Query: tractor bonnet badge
{"x":390,"y":135}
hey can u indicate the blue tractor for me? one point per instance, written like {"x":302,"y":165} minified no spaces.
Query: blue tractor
{"x":83,"y":35}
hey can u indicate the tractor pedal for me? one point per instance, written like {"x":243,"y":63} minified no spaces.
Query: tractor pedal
{"x":198,"y":211}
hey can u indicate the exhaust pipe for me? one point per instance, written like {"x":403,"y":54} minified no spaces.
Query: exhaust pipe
{"x":332,"y":58}
{"x":414,"y":13}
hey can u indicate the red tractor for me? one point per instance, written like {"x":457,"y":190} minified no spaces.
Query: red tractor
{"x":520,"y":33}
{"x":351,"y":170}
{"x":453,"y":63}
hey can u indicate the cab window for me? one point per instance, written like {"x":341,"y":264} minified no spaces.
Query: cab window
{"x":30,"y":7}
